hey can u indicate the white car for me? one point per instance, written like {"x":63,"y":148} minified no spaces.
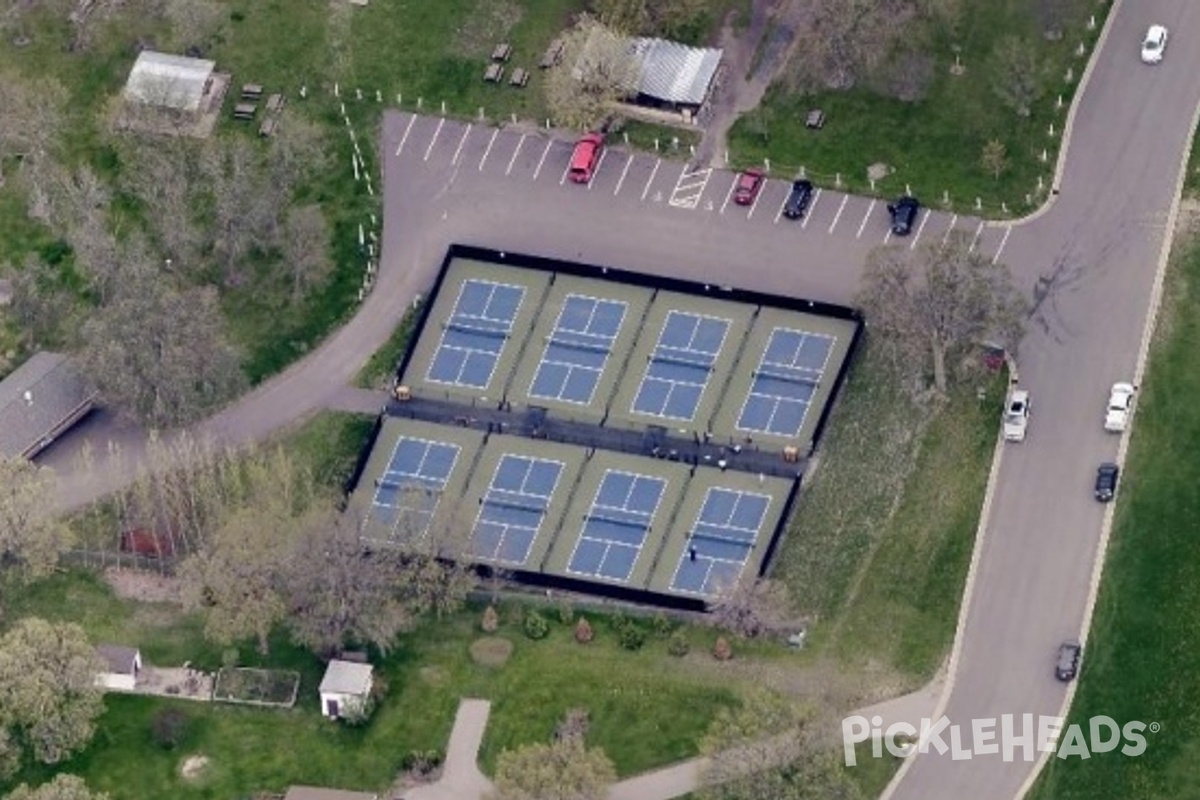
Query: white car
{"x":1016,"y":416}
{"x":1120,"y":401}
{"x":1154,"y":44}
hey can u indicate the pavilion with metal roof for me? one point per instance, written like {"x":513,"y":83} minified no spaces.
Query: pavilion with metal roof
{"x":39,"y":401}
{"x":163,"y":80}
{"x":675,"y":74}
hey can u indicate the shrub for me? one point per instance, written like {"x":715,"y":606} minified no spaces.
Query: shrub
{"x":490,"y":621}
{"x":583,"y":631}
{"x":230,"y":657}
{"x":617,"y":621}
{"x":421,"y":763}
{"x":662,"y":625}
{"x":632,"y":637}
{"x":574,"y":725}
{"x":356,"y":715}
{"x":721,"y":650}
{"x":566,"y":614}
{"x":678,"y":645}
{"x":536,"y":626}
{"x":169,"y":726}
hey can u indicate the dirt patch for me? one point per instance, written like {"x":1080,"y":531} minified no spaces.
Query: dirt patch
{"x":434,"y":676}
{"x":193,"y":767}
{"x":146,"y":587}
{"x":487,"y":26}
{"x":491,"y":651}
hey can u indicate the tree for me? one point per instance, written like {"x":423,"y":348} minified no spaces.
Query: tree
{"x":933,"y":304}
{"x":561,"y":770}
{"x":306,"y":249}
{"x":48,"y":700}
{"x":994,"y":157}
{"x":63,"y":787}
{"x":1016,"y":74}
{"x":33,"y":117}
{"x":194,"y":23}
{"x":42,"y":302}
{"x":162,"y":171}
{"x":679,"y":20}
{"x":847,"y":40}
{"x":598,"y":69}
{"x":906,"y":75}
{"x":752,"y":606}
{"x":31,"y":539}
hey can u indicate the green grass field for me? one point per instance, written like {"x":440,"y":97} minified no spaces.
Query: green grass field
{"x":1141,"y":660}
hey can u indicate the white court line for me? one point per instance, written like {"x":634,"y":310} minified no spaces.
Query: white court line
{"x":782,"y":206}
{"x":596,"y":171}
{"x":761,"y":191}
{"x":975,"y":241}
{"x":624,"y":172}
{"x":407,"y":130}
{"x":921,"y":227}
{"x":433,"y":141}
{"x":996,"y":258}
{"x":838,"y":215}
{"x":650,"y":180}
{"x":488,"y":151}
{"x":542,"y":160}
{"x":729,"y":194}
{"x":811,"y":207}
{"x":862,"y":225}
{"x":461,"y":142}
{"x":950,"y":230}
{"x":513,"y":160}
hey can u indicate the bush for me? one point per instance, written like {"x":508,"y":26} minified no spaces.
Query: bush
{"x":536,"y":626}
{"x":230,"y":658}
{"x":421,"y":763}
{"x":678,"y":645}
{"x":721,"y":650}
{"x":169,"y":727}
{"x":583,"y":631}
{"x":632,"y":637}
{"x":490,"y":621}
{"x":566,"y":614}
{"x":574,"y":725}
{"x":617,"y":621}
{"x":662,"y":625}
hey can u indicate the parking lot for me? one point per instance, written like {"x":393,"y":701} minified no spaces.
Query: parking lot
{"x":661,"y":184}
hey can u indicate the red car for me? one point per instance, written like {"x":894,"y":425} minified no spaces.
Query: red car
{"x":587,"y":154}
{"x":748,"y":185}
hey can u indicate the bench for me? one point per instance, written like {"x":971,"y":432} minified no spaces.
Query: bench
{"x":245,"y":110}
{"x":274,"y":103}
{"x":553,"y":54}
{"x":494,"y":73}
{"x":252,"y":91}
{"x":815,"y":119}
{"x":520,"y":77}
{"x":502,"y":52}
{"x":268,"y":126}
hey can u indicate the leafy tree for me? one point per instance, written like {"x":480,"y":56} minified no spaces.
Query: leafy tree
{"x":63,"y":787}
{"x":535,"y":625}
{"x":48,"y":700}
{"x":31,"y":539}
{"x":561,"y":770}
{"x":994,"y":158}
{"x":1017,"y":74}
{"x":597,"y":69}
{"x":935,"y":303}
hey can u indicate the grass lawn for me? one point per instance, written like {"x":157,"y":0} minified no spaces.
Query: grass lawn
{"x":933,"y":145}
{"x":330,"y":444}
{"x":380,"y":368}
{"x":658,"y":138}
{"x":1141,"y":659}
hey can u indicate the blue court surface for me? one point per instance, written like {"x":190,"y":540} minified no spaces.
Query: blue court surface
{"x":785,"y":382}
{"x":407,"y":493}
{"x":578,"y":349}
{"x":474,"y":336}
{"x":615,"y":527}
{"x":513,"y":508}
{"x":680,"y":365}
{"x":726,"y":530}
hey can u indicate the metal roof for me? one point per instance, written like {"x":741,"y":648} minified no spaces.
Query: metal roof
{"x":346,"y":677}
{"x":315,"y":793}
{"x":38,"y":401}
{"x":676,"y":73}
{"x":161,"y":79}
{"x":120,"y":659}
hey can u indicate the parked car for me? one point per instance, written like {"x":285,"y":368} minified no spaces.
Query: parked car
{"x":798,"y":200}
{"x":1067,"y":666}
{"x":1120,"y":401}
{"x":1106,"y":481}
{"x":1016,"y":416}
{"x":587,"y":154}
{"x":904,"y":215}
{"x":749,"y":184}
{"x":1154,"y":45}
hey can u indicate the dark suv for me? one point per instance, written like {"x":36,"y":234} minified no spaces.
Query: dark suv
{"x":1068,"y":660}
{"x":1106,"y":481}
{"x":904,"y":215}
{"x":797,"y":202}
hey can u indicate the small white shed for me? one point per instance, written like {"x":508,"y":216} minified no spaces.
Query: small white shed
{"x":121,"y":665}
{"x":345,"y":688}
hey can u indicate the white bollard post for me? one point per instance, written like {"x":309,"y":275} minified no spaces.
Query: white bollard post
{"x":373,"y":222}
{"x":767,"y":164}
{"x":1092,"y":22}
{"x":547,"y":123}
{"x":443,"y":108}
{"x":343,"y":110}
{"x":336,"y":91}
{"x":362,"y":235}
{"x":945,"y":197}
{"x":1045,"y":155}
{"x":513,"y":117}
{"x":692,"y":150}
{"x":908,"y":190}
{"x":303,"y":91}
{"x":354,"y":164}
{"x":1028,"y":199}
{"x":1070,"y":76}
{"x":378,"y":96}
{"x":399,"y":98}
{"x":420,"y":102}
{"x":624,"y":136}
{"x":803,"y":172}
{"x":1004,"y":207}
{"x":1040,"y":184}
{"x":837,"y":180}
{"x":1081,"y":49}
{"x":978,"y":203}
{"x":1051,"y":128}
{"x":358,"y":94}
{"x":1059,"y":103}
{"x":872,"y":180}
{"x":656,"y":144}
{"x":481,"y":113}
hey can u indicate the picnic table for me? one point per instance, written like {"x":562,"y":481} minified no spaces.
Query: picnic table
{"x":815,"y":119}
{"x":493,"y":73}
{"x":245,"y":110}
{"x":502,"y":52}
{"x":553,"y":54}
{"x":274,"y":103}
{"x":252,"y":91}
{"x":520,"y":77}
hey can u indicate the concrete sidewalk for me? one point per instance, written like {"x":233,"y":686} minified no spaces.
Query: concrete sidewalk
{"x":461,"y":778}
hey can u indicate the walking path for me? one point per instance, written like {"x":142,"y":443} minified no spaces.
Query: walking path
{"x":461,"y":778}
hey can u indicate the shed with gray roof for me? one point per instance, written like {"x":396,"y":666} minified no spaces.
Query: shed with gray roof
{"x":39,"y":402}
{"x":675,"y":74}
{"x":163,"y":80}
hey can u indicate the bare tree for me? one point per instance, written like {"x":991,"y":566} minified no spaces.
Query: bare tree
{"x":244,"y":203}
{"x":598,"y":68}
{"x":306,"y":242}
{"x":194,"y":23}
{"x":33,"y":117}
{"x":847,"y":41}
{"x":161,"y":173}
{"x":752,"y":606}
{"x":561,"y":770}
{"x":42,"y":304}
{"x":936,"y":302}
{"x":906,"y":75}
{"x":630,"y":17}
{"x":994,"y":158}
{"x":62,"y":787}
{"x":1017,"y":74}
{"x":31,"y":539}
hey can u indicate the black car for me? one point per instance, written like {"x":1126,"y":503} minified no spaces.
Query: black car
{"x":904,"y":215}
{"x":1068,"y":660}
{"x":797,"y":202}
{"x":1106,"y":481}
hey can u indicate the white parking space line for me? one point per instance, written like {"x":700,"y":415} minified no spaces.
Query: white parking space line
{"x":542,"y":160}
{"x":729,"y":194}
{"x":566,"y":170}
{"x":596,"y":171}
{"x":407,"y":130}
{"x":433,"y":141}
{"x":1004,"y":241}
{"x":838,"y":215}
{"x":689,"y":187}
{"x":887,"y":237}
{"x":461,"y":142}
{"x":975,"y":241}
{"x":488,"y":151}
{"x":650,"y":180}
{"x":782,"y":206}
{"x":921,"y":227}
{"x":624,"y":172}
{"x":950,"y":230}
{"x":513,"y":160}
{"x":758,"y":197}
{"x":862,"y":225}
{"x":812,"y":207}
